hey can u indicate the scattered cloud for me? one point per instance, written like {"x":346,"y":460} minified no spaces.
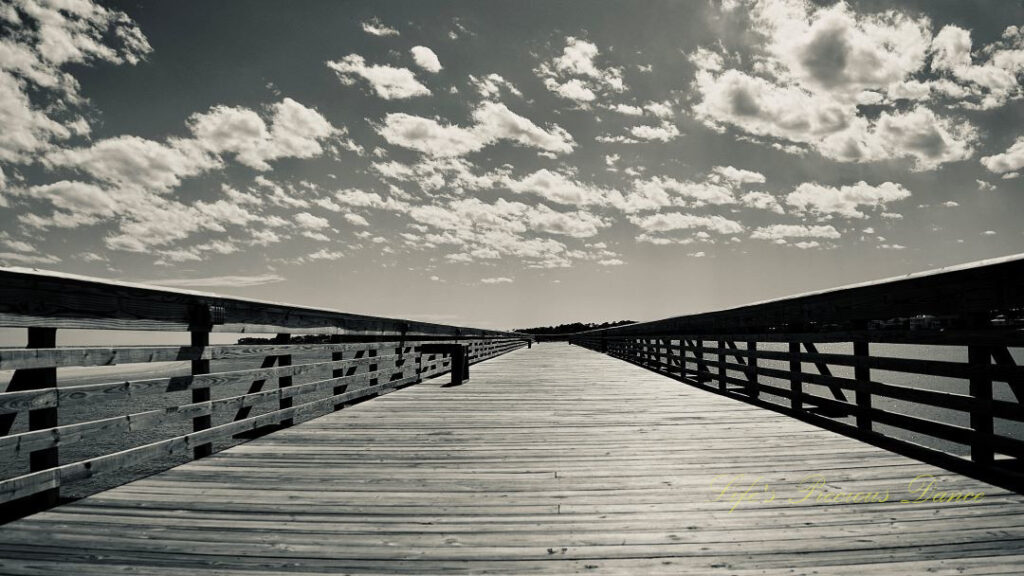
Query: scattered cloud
{"x":844,"y":201}
{"x":426,"y":59}
{"x":1009,"y":161}
{"x":388,"y":82}
{"x":375,"y":27}
{"x":218,"y":281}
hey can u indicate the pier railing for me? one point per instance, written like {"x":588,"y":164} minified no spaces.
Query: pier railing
{"x":925,"y":365}
{"x":199,"y":397}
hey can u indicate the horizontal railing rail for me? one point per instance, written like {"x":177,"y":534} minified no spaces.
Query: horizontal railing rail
{"x":926,"y":365}
{"x":187,"y":401}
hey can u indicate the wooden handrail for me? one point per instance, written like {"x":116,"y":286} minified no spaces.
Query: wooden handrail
{"x":767,"y":354}
{"x":282,"y":382}
{"x":55,"y":300}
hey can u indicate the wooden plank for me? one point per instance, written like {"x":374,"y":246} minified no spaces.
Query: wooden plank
{"x":530,"y":467}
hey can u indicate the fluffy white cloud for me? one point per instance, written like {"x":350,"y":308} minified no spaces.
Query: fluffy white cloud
{"x":490,"y":86}
{"x":375,"y":27}
{"x":762,"y":201}
{"x":989,"y":84}
{"x":783,"y":231}
{"x":846,"y":200}
{"x":497,"y":280}
{"x":558,"y":187}
{"x":493,"y":122}
{"x":738,"y":175}
{"x":820,"y":63}
{"x":662,"y":133}
{"x":426,"y":59}
{"x":574,"y":74}
{"x":836,"y":50}
{"x":356,"y":220}
{"x":134,"y":161}
{"x":1009,"y":161}
{"x":311,"y":222}
{"x":388,"y":82}
{"x":50,"y":36}
{"x":679,"y":221}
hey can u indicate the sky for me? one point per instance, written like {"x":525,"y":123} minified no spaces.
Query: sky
{"x":510,"y":164}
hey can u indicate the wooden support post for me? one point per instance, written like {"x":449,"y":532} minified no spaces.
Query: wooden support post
{"x":284,"y":381}
{"x":338,"y":372}
{"x":796,"y":382}
{"x":752,"y":389}
{"x":201,"y":339}
{"x":862,"y":374}
{"x":39,"y":419}
{"x":979,"y":358}
{"x":460,"y":365}
{"x":722,"y":383}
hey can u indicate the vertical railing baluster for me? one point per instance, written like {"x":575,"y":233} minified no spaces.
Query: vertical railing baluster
{"x":722,"y":383}
{"x":862,"y":374}
{"x":284,"y":381}
{"x":979,"y":358}
{"x":338,"y":372}
{"x":752,"y":388}
{"x":40,"y":418}
{"x":201,"y":339}
{"x":796,"y":381}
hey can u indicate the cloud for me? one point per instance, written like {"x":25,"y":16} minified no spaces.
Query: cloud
{"x":490,"y":86}
{"x":678,"y":221}
{"x":783,"y":231}
{"x":356,"y":220}
{"x":574,"y":75}
{"x":819,"y":63}
{"x":761,"y":201}
{"x":325,"y":254}
{"x":557,"y":187}
{"x":135,"y":161}
{"x":739,"y":176}
{"x":663,"y":133}
{"x":493,"y":122}
{"x":388,"y":82}
{"x":426,"y":59}
{"x":497,"y":280}
{"x":846,"y":200}
{"x":989,"y":84}
{"x":311,"y":222}
{"x":50,"y":36}
{"x":1009,"y":161}
{"x":375,"y":27}
{"x":628,"y":110}
{"x":218,"y":281}
{"x":574,"y":224}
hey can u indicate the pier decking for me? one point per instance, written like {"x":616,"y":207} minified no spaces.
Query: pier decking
{"x":555,"y":459}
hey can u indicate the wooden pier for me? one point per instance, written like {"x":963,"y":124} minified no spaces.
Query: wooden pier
{"x":873,"y":429}
{"x":554,"y":459}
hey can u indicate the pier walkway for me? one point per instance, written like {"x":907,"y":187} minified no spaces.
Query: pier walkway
{"x":555,"y":459}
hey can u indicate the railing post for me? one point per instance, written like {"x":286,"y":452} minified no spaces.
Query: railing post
{"x":979,"y":358}
{"x":284,"y":381}
{"x":722,"y":384}
{"x":862,"y":374}
{"x":796,"y":382}
{"x":201,"y":339}
{"x":39,"y":419}
{"x":338,"y":372}
{"x":752,"y":389}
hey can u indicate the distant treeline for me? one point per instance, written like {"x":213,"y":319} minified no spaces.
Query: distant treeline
{"x":299,"y":339}
{"x":574,"y":327}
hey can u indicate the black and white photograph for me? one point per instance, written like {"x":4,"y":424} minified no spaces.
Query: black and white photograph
{"x":701,"y":287}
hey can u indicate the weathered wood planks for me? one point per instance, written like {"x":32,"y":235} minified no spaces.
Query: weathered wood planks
{"x":552,"y":460}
